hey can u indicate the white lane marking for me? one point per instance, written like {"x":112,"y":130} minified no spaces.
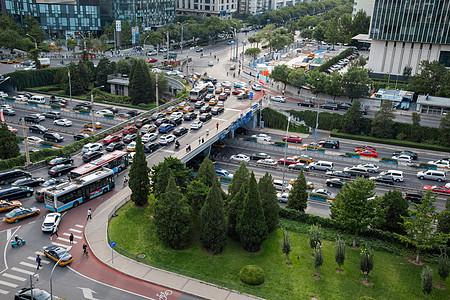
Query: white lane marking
{"x":14,"y":277}
{"x":61,"y":245}
{"x":65,"y":240}
{"x":39,"y":252}
{"x":75,"y":230}
{"x":27,"y":264}
{"x":3,"y":292}
{"x":6,"y":247}
{"x":75,"y":236}
{"x":79,"y":226}
{"x":34,"y":259}
{"x":8,"y":234}
{"x":22,"y":271}
{"x":87,"y":293}
{"x":13,"y":285}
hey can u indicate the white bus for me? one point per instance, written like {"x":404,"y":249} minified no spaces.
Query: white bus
{"x":66,"y":195}
{"x":198,"y":93}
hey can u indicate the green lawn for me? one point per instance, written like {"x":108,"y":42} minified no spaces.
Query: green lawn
{"x":393,"y":276}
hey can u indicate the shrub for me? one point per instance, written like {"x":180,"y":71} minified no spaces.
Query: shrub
{"x":321,"y":196}
{"x":388,"y":159}
{"x":109,"y":115}
{"x":47,"y":143}
{"x":84,"y":111}
{"x":365,"y":298}
{"x":48,"y":159}
{"x":352,"y":154}
{"x":251,"y":274}
{"x":280,"y":143}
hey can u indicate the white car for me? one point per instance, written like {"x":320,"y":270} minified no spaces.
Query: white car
{"x":267,"y":162}
{"x":63,"y":122}
{"x":256,"y":87}
{"x":403,"y":158}
{"x":34,"y":139}
{"x":278,"y":99}
{"x":196,"y":125}
{"x":442,"y":163}
{"x":240,"y":157}
{"x":5,"y":106}
{"x":324,"y":192}
{"x":131,"y":146}
{"x":283,"y":197}
{"x":176,"y":114}
{"x":226,"y":84}
{"x":3,"y":94}
{"x":41,"y":117}
{"x":262,"y":137}
{"x":370,"y":167}
{"x":210,"y":63}
{"x":20,"y":98}
{"x":147,"y":128}
{"x":92,"y":147}
{"x":51,"y":221}
{"x":104,"y":112}
{"x":148,"y":137}
{"x":166,"y":139}
{"x":156,"y":70}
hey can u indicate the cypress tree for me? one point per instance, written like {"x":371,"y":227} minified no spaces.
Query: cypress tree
{"x":427,"y":281}
{"x":195,"y":195}
{"x":213,"y":227}
{"x":162,"y":180}
{"x":207,"y":172}
{"x":366,"y":261}
{"x":298,"y":196}
{"x":443,"y":266}
{"x":173,"y":218}
{"x":315,"y":236}
{"x":140,"y":83}
{"x":240,"y":178}
{"x":9,"y":141}
{"x":251,"y":225}
{"x":318,"y":258}
{"x":286,"y":244}
{"x":139,"y":179}
{"x":339,"y":252}
{"x":234,"y":209}
{"x":269,"y":201}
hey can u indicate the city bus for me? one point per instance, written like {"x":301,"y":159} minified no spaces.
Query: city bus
{"x":198,"y":93}
{"x":116,"y":161}
{"x":66,"y":195}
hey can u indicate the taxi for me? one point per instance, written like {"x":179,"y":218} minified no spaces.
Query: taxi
{"x":87,"y":130}
{"x":98,"y":125}
{"x":187,"y":109}
{"x":183,"y":105}
{"x":58,"y":254}
{"x":305,"y":158}
{"x":8,"y":205}
{"x":220,"y":104}
{"x":131,"y":146}
{"x":218,"y":89}
{"x":171,"y":109}
{"x":233,"y":67}
{"x":213,"y":101}
{"x":20,"y":213}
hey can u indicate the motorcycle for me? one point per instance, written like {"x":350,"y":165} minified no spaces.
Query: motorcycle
{"x":19,"y":242}
{"x":177,"y":146}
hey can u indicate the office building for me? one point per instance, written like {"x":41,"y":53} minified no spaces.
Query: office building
{"x":364,"y":5}
{"x":406,"y":32}
{"x":206,"y":8}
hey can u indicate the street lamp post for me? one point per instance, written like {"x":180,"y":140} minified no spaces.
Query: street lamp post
{"x":285,"y":148}
{"x":51,"y":274}
{"x":182,"y":33}
{"x":35,"y":42}
{"x":145,"y":40}
{"x":92,"y":108}
{"x":70,"y":83}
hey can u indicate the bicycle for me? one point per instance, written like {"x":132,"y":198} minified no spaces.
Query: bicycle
{"x":85,"y":252}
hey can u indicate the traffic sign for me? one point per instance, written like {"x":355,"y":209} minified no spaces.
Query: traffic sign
{"x":113,"y":244}
{"x":251,"y":96}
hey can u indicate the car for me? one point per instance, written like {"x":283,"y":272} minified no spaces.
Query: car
{"x":147,"y":128}
{"x":210,"y":97}
{"x":256,"y":87}
{"x":441,"y":163}
{"x":403,"y":158}
{"x":262,"y":137}
{"x":329,"y":195}
{"x":370,"y":167}
{"x":51,"y":221}
{"x":240,"y":157}
{"x":213,"y":102}
{"x":59,"y":170}
{"x":129,"y":138}
{"x":190,"y":116}
{"x":241,"y":131}
{"x":267,"y":162}
{"x":151,"y":53}
{"x":220,"y":104}
{"x":282,"y":185}
{"x":365,"y":147}
{"x":112,"y":138}
{"x":114,"y":146}
{"x":80,"y":136}
{"x":161,"y":121}
{"x":34,"y":139}
{"x":131,"y":147}
{"x":406,"y":152}
{"x":175,"y":120}
{"x":242,"y":96}
{"x":58,"y":254}
{"x":58,"y":101}
{"x":239,"y":84}
{"x":92,"y":147}
{"x":414,"y":197}
{"x":92,"y":155}
{"x":227,"y":91}
{"x":20,"y":98}
{"x":222,"y":96}
{"x":345,"y":106}
{"x":283,"y":197}
{"x":196,"y":125}
{"x":165,"y":127}
{"x":288,"y":161}
{"x":166,"y":139}
{"x":20,"y":213}
{"x":357,"y":171}
{"x":306,"y":103}
{"x":88,"y":131}
{"x":12,"y":129}
{"x":219,"y":144}
{"x":199,"y":50}
{"x":432,"y":175}
{"x":157,"y":116}
{"x":31,"y":119}
{"x":9,"y":112}
{"x":52,"y":181}
{"x":6,"y":205}
{"x":98,"y":125}
{"x":53,"y":137}
{"x":205,"y":117}
{"x":205,"y":109}
{"x":298,"y":166}
{"x":187,"y":109}
{"x":171,"y":109}
{"x":82,"y":106}
{"x":224,"y":174}
{"x":217,"y":110}
{"x":53,"y":115}
{"x":153,"y":59}
{"x":331,"y":106}
{"x":129,"y":129}
{"x":335,"y":182}
{"x":103,"y":112}
{"x":233,"y":66}
{"x":305,"y":158}
{"x":280,"y":99}
{"x":59,"y":161}
{"x":151,"y":147}
{"x":292,"y":139}
{"x":387,"y":179}
{"x":367,"y":153}
{"x":15,"y":192}
{"x":341,"y":174}
{"x":180,"y":131}
{"x":62,"y":122}
{"x":3,"y":94}
{"x":438,"y":189}
{"x":258,"y":156}
{"x":199,"y":104}
{"x":183,"y":104}
{"x":149,"y":137}
{"x":329,"y":144}
{"x":25,"y":294}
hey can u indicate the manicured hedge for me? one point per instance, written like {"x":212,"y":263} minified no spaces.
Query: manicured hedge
{"x":32,"y":78}
{"x":277,"y":120}
{"x":251,"y":274}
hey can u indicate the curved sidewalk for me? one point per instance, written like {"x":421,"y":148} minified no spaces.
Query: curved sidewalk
{"x":96,"y":237}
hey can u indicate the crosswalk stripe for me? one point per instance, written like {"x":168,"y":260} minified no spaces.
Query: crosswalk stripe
{"x":3,"y":292}
{"x":66,"y":240}
{"x":75,"y":230}
{"x":34,"y":259}
{"x":13,"y":285}
{"x":14,"y":277}
{"x":39,"y":252}
{"x":75,"y":236}
{"x":79,"y":226}
{"x":22,"y":271}
{"x":61,"y":245}
{"x":28,"y":264}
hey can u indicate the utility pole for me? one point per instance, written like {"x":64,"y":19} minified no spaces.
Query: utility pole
{"x":157,"y":96}
{"x":27,"y":152}
{"x":237,"y":45}
{"x":92,"y":113}
{"x":167,"y":43}
{"x":285,"y":150}
{"x":182,"y":31}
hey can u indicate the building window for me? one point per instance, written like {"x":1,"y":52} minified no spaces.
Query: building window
{"x":444,"y":58}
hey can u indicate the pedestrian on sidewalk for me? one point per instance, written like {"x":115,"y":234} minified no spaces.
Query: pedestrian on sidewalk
{"x":203,"y":140}
{"x":217,"y":126}
{"x":89,"y":214}
{"x":282,"y":92}
{"x":199,"y":140}
{"x":189,"y":148}
{"x":54,"y":232}
{"x":71,"y":238}
{"x":207,"y":132}
{"x":125,"y":181}
{"x":38,"y":261}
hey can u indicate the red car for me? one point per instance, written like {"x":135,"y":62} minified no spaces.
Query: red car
{"x":437,"y":189}
{"x":237,"y":91}
{"x":293,"y":139}
{"x":369,"y":153}
{"x":153,"y":59}
{"x":112,"y":138}
{"x":365,"y":147}
{"x":289,"y":160}
{"x":128,"y":130}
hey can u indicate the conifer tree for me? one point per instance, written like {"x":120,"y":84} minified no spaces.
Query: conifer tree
{"x":9,"y":141}
{"x":139,"y":180}
{"x":172,"y":218}
{"x":315,"y":236}
{"x":251,"y":225}
{"x":195,"y":195}
{"x":366,"y":261}
{"x":161,"y":180}
{"x":207,"y":172}
{"x":234,"y":209}
{"x":213,"y":227}
{"x":318,"y":259}
{"x":427,"y":281}
{"x":339,"y":252}
{"x":443,"y":266}
{"x":240,"y":178}
{"x":298,"y":196}
{"x":286,"y":244}
{"x":269,"y":201}
{"x":140,"y":83}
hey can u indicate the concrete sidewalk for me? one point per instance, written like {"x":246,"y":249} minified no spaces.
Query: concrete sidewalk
{"x":97,"y":240}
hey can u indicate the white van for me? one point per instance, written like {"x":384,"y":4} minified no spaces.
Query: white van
{"x":395,"y":174}
{"x":432,"y":175}
{"x":38,"y":99}
{"x":279,"y":185}
{"x":321,"y":165}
